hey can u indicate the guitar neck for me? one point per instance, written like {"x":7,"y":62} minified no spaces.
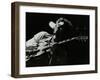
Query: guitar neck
{"x":74,"y":38}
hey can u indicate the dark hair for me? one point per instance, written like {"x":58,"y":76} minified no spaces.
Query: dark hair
{"x":64,"y":31}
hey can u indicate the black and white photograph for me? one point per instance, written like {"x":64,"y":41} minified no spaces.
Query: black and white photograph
{"x":56,"y":39}
{"x":51,"y":39}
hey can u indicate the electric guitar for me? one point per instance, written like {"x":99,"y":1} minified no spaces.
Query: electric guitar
{"x":46,"y":48}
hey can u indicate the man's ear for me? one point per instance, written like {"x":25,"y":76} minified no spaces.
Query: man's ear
{"x":52,"y":24}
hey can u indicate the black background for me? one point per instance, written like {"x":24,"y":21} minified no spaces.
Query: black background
{"x":78,"y":51}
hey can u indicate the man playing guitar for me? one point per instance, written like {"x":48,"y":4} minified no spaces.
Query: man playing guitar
{"x":43,"y":42}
